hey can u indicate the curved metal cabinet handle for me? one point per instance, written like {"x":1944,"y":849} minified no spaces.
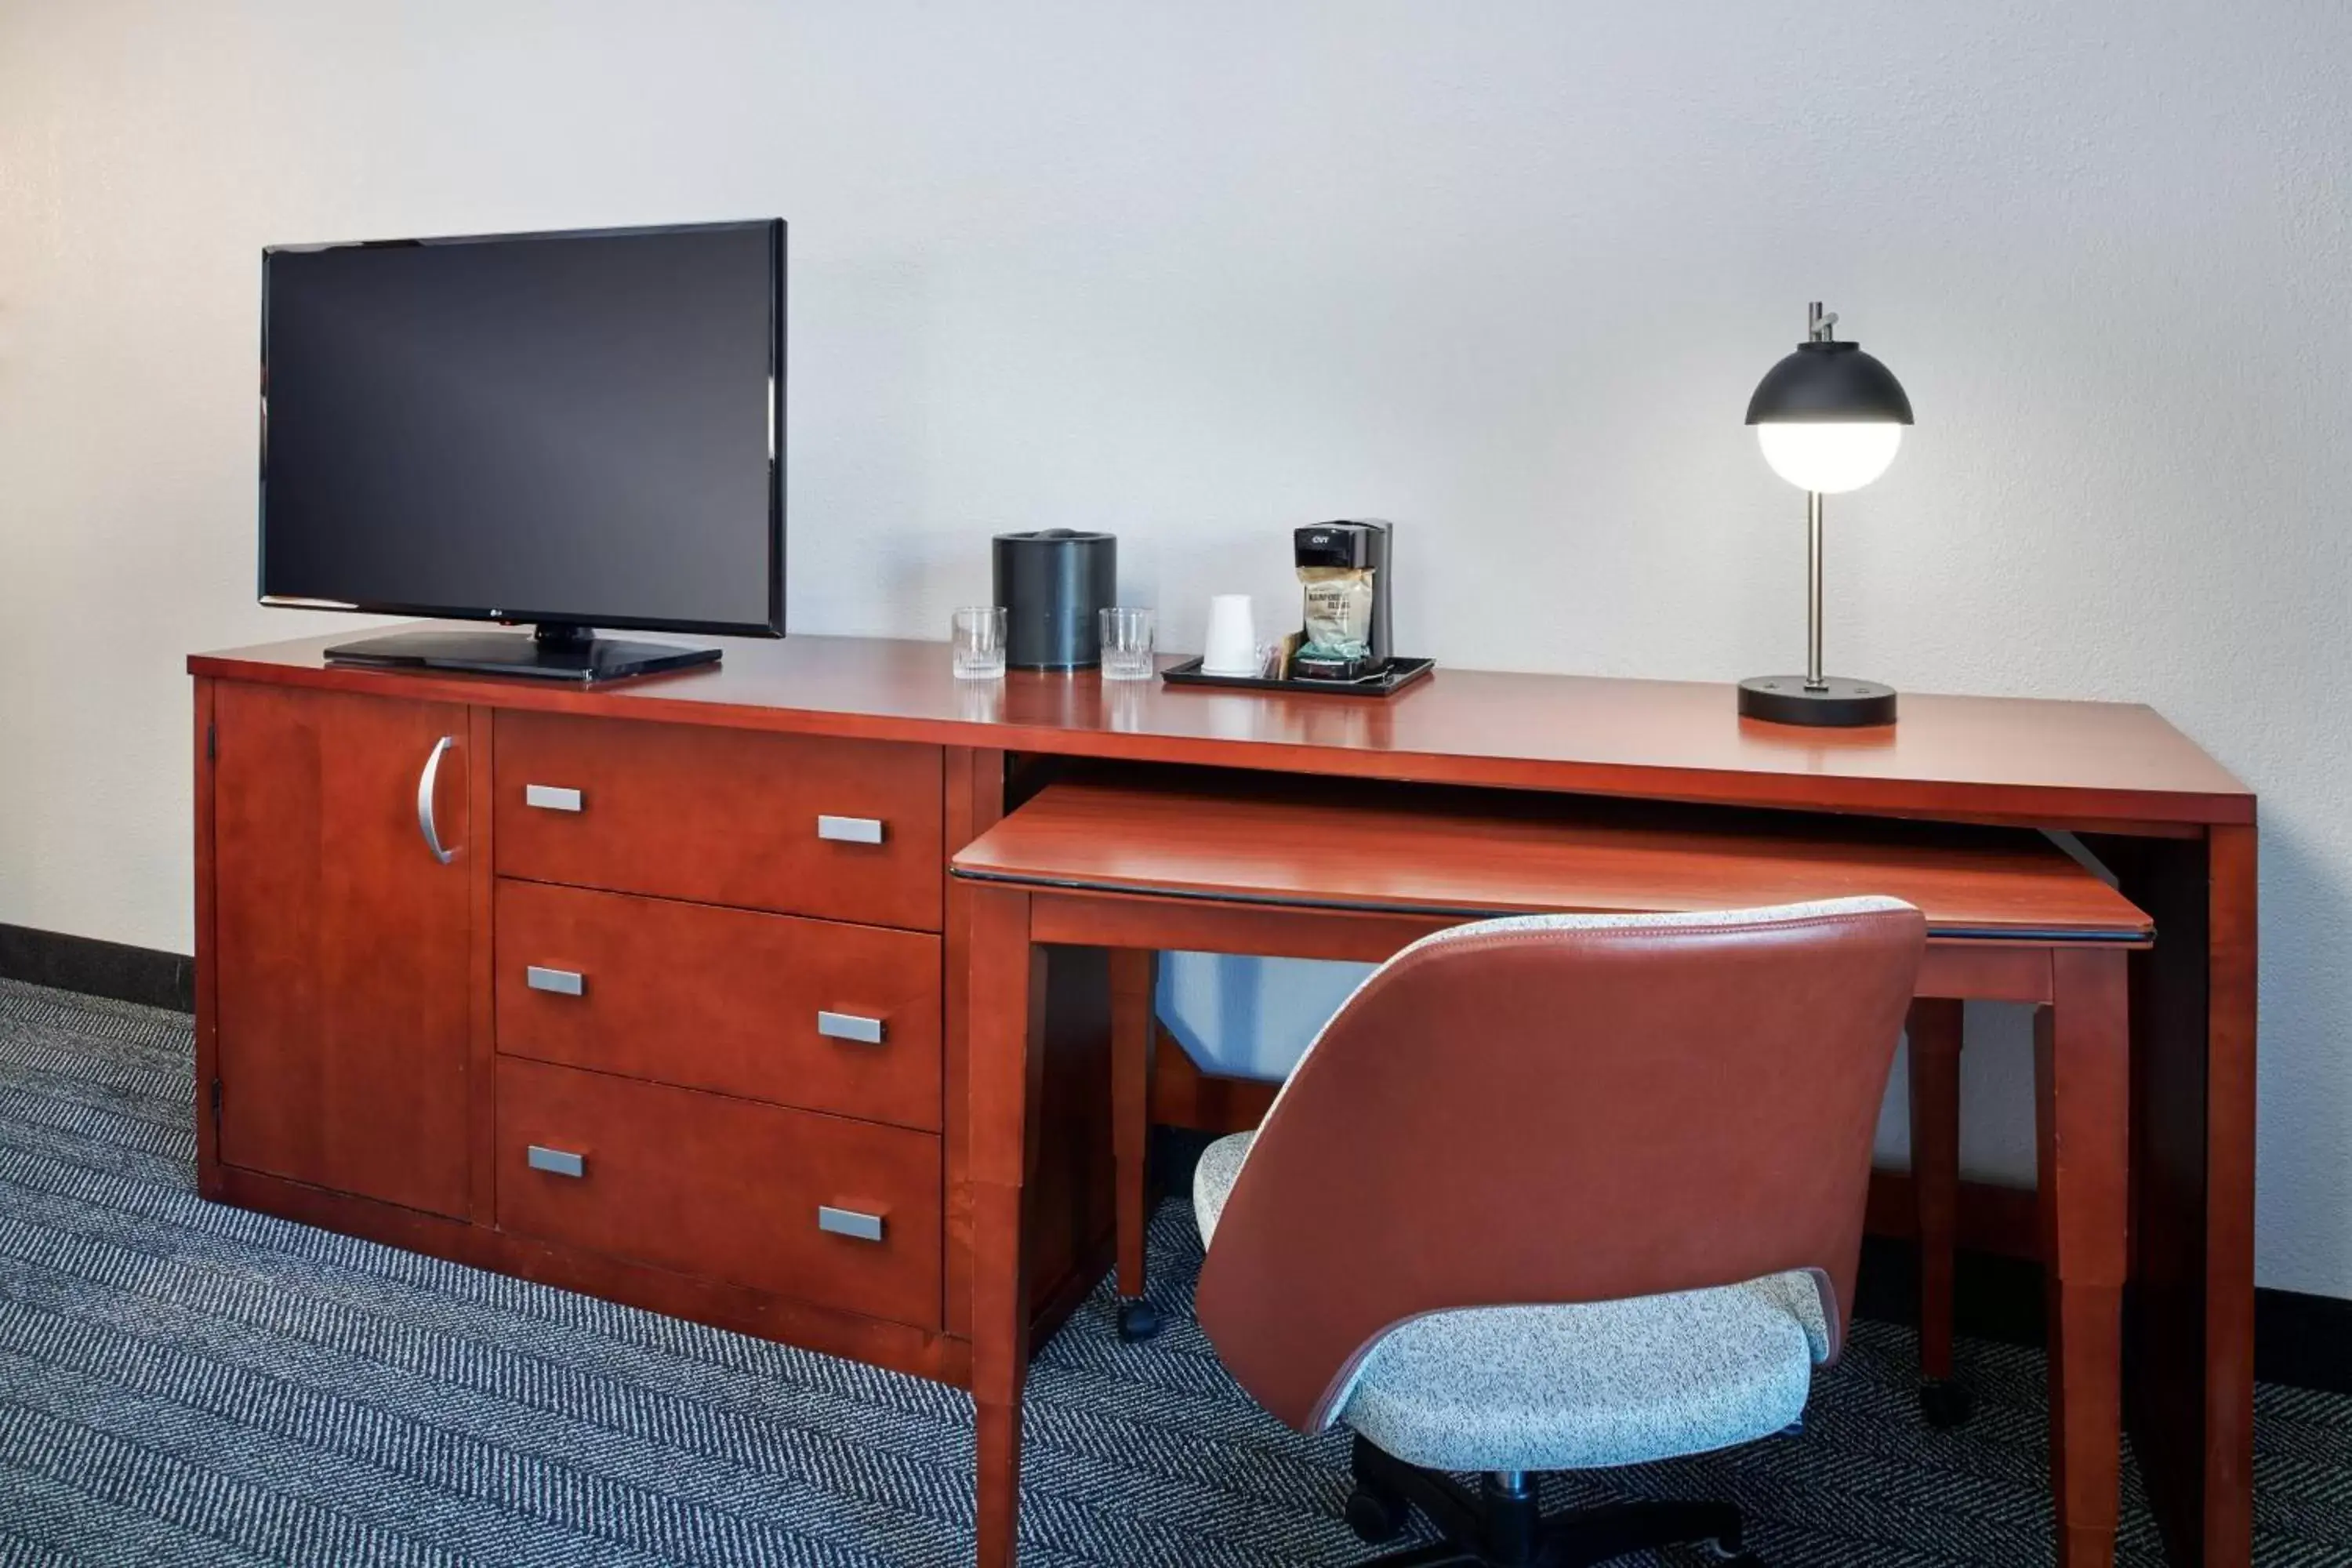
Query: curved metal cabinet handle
{"x":425,"y":783}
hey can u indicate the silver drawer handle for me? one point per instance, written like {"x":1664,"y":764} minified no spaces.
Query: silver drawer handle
{"x":849,"y":1223}
{"x":850,"y":829}
{"x":562,"y":981}
{"x":557,"y":1161}
{"x":550,"y":797}
{"x":849,"y":1026}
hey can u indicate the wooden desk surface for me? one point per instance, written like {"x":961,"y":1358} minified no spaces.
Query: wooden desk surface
{"x":1423,"y":852}
{"x":2061,"y":764}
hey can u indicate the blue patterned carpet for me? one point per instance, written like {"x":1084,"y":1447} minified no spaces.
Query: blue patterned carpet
{"x":186,"y":1383}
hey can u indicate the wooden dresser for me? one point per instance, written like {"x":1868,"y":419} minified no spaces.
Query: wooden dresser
{"x":667,"y":1024}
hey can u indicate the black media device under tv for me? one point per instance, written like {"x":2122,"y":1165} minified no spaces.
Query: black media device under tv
{"x":577,"y":430}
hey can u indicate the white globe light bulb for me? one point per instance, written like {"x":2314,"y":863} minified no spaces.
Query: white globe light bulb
{"x":1829,"y":457}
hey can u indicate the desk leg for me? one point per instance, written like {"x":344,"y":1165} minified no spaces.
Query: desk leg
{"x":2082,"y":1080}
{"x":1133,"y":973}
{"x":2228,"y":1386}
{"x":1006,"y":1068}
{"x":1934,"y":1036}
{"x":2192,"y":1372}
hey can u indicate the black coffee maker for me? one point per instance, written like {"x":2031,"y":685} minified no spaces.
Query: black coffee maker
{"x":1352,"y":546}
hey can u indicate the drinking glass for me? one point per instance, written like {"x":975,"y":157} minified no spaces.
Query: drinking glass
{"x":979,"y":642}
{"x":1127,"y":644}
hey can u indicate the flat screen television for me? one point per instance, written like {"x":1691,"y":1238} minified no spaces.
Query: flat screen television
{"x":577,"y":430}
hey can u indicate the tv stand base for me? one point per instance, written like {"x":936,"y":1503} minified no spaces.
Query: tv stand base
{"x":552,"y":652}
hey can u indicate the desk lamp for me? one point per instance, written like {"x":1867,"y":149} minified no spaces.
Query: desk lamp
{"x":1830,"y":417}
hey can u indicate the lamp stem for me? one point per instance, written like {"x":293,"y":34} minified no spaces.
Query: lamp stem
{"x":1814,"y":679}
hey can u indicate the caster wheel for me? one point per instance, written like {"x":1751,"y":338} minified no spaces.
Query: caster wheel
{"x":1376,"y":1514}
{"x":1137,"y":1320}
{"x":1946,"y":1405}
{"x":1730,"y":1549}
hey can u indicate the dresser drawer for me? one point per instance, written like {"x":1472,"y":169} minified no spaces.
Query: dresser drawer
{"x":843,"y":1214}
{"x":805,"y":825}
{"x":844,"y":1018}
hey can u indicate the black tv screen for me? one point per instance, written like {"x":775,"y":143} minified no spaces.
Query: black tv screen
{"x":583,"y":428}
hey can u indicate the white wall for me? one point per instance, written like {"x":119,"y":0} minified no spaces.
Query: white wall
{"x":1197,"y":272}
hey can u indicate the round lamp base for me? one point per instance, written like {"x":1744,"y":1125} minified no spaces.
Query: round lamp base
{"x":1839,"y":703}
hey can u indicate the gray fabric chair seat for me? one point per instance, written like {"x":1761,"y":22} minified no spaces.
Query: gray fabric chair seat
{"x":1213,"y":1177}
{"x":1573,"y":1387}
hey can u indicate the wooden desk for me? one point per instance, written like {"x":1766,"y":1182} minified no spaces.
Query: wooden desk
{"x":1223,"y":866}
{"x":2176,"y":828}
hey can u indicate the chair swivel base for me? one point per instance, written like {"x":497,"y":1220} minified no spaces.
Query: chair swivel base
{"x":1500,"y":1526}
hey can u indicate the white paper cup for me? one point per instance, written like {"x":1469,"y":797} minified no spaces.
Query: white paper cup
{"x":1231,"y":643}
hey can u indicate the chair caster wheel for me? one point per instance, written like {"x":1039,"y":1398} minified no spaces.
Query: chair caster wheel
{"x":1377,"y":1514}
{"x":1732,"y":1549}
{"x":1946,"y":1405}
{"x":1137,"y":1320}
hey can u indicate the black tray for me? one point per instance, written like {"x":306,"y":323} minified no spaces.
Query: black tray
{"x":1399,"y":674}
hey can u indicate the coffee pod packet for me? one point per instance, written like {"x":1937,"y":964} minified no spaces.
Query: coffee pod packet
{"x":1338,"y":611}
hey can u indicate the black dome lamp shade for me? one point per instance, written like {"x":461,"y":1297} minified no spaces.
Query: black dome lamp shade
{"x":1829,"y":417}
{"x":1828,"y":382}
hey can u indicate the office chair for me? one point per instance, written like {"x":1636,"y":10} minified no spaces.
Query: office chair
{"x":1562,"y":1192}
{"x":1223,"y":1104}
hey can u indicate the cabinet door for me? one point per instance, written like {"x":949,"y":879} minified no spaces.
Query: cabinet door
{"x":341,"y":942}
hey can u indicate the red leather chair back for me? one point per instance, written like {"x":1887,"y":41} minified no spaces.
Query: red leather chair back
{"x":1526,"y":1112}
